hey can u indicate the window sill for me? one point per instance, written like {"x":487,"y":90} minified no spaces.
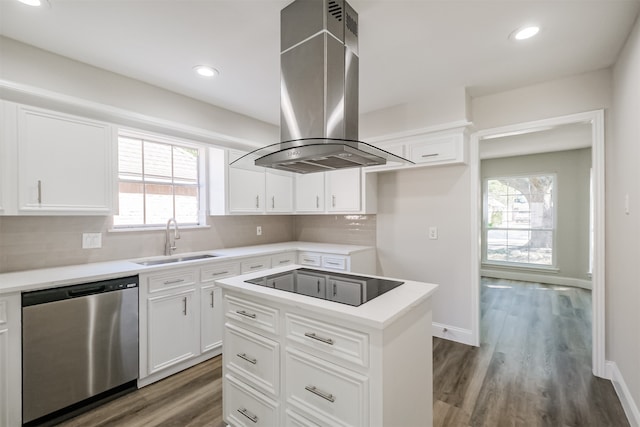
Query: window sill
{"x":522,"y":267}
{"x":154,"y":229}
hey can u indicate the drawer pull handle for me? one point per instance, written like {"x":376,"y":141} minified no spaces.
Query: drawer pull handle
{"x":308,"y":260}
{"x":284,"y":261}
{"x":326,"y":396}
{"x":332,"y":263}
{"x":312,"y":335}
{"x":246,"y":314}
{"x":244,"y":356}
{"x":173,"y":282}
{"x":220,"y":273}
{"x":253,"y":267}
{"x":252,"y":417}
{"x":430,"y":155}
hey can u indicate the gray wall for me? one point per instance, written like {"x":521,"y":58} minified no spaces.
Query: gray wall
{"x":572,"y":197}
{"x":623,"y":230}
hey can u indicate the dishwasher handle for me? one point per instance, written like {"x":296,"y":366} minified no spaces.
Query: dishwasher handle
{"x":74,"y":293}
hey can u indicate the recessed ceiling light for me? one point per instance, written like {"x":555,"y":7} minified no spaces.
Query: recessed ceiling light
{"x":205,"y":71}
{"x":525,"y":32}
{"x":31,"y":2}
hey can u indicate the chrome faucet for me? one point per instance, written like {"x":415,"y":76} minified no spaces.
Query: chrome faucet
{"x":169,"y":247}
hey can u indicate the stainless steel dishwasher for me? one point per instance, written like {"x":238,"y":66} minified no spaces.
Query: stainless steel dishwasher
{"x":79,"y":347}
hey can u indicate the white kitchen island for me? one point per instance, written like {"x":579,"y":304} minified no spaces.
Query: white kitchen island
{"x":294,"y":360}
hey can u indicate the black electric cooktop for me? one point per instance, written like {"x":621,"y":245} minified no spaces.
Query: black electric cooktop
{"x":339,"y":287}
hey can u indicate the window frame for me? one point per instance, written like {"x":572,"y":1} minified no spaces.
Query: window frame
{"x":554,"y":230}
{"x":173,"y":141}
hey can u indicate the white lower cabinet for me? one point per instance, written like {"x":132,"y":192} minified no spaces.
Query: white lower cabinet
{"x":10,"y":361}
{"x":180,"y":318}
{"x":173,"y":331}
{"x":283,"y":363}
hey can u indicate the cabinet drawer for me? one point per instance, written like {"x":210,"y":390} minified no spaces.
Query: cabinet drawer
{"x":246,"y":407}
{"x":323,"y":337}
{"x":219,"y":271}
{"x":443,"y":149}
{"x":280,"y":260}
{"x":170,"y":280}
{"x":248,"y":313}
{"x":307,"y":258}
{"x":253,"y":358}
{"x":334,"y":262}
{"x":255,"y":264}
{"x":337,"y":396}
{"x":293,"y":419}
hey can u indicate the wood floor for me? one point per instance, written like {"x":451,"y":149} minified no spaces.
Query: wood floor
{"x":532,"y":369}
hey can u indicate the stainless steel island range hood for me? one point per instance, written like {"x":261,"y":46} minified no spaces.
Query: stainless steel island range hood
{"x":319,"y":93}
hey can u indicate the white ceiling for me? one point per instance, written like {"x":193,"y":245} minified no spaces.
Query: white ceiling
{"x":408,"y":48}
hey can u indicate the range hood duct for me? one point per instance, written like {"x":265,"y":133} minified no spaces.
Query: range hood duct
{"x":319,"y":93}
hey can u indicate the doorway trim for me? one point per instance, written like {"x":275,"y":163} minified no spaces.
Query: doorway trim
{"x":596,"y":120}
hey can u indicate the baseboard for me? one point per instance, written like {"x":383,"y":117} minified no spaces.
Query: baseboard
{"x":628,"y":404}
{"x":452,"y":333}
{"x":538,"y":278}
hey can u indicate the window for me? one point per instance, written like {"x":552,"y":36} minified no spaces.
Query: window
{"x":158,"y":180}
{"x":519,"y":218}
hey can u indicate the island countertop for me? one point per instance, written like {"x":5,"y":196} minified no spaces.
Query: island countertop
{"x":377,"y":313}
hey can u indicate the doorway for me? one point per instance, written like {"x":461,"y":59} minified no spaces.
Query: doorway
{"x":595,"y":122}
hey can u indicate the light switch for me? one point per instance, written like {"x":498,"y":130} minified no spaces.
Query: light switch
{"x":259,"y":230}
{"x":91,"y":240}
{"x":433,"y":233}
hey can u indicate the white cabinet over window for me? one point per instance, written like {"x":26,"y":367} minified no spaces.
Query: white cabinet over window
{"x":246,"y":191}
{"x":55,"y":163}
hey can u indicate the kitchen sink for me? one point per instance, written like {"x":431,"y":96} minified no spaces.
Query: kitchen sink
{"x":175,"y":260}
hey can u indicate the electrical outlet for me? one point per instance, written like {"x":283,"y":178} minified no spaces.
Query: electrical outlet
{"x":259,"y":230}
{"x":91,"y":240}
{"x":433,"y":233}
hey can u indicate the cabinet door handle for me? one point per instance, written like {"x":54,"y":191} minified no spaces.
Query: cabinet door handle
{"x":246,"y":314}
{"x":252,"y":417}
{"x":39,"y":192}
{"x":318,"y":287}
{"x":430,"y":155}
{"x":318,"y":202}
{"x":322,"y":394}
{"x":184,"y":310}
{"x":335,"y":289}
{"x":313,"y":335}
{"x":333,"y":201}
{"x":211,"y":299}
{"x":219,"y":273}
{"x":257,"y":202}
{"x":172,"y":282}
{"x":244,"y":356}
{"x":273,"y":202}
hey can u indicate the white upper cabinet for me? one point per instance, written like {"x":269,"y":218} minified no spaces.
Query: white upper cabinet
{"x":279,"y":191}
{"x":246,"y":190}
{"x":65,"y":164}
{"x":310,"y":192}
{"x":343,"y":190}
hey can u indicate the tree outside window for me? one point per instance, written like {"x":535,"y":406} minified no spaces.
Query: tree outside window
{"x":519,"y":220}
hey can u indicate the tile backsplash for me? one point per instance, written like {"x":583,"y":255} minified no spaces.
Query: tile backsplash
{"x":37,"y":242}
{"x":29,"y":242}
{"x":344,"y":229}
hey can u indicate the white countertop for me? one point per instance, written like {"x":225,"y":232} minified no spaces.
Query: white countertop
{"x":28,"y":280}
{"x":377,"y":313}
